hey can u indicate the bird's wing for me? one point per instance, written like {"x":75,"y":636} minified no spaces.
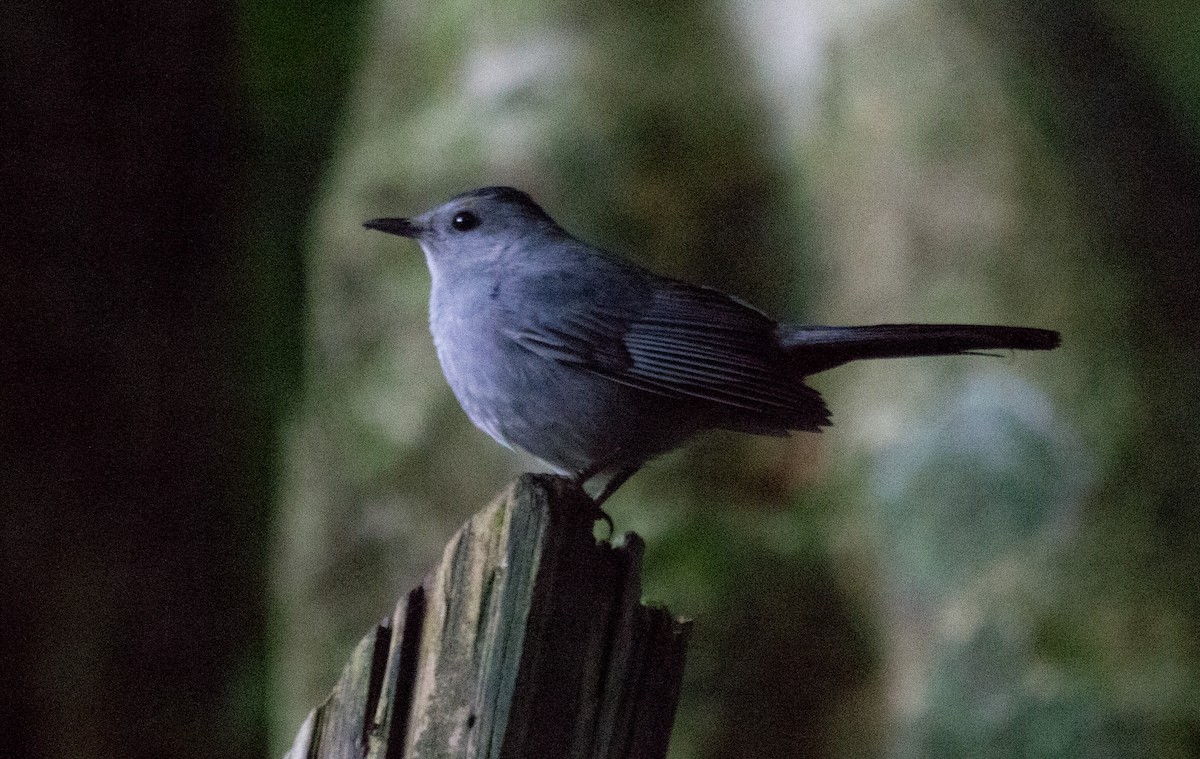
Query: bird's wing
{"x":683,"y":342}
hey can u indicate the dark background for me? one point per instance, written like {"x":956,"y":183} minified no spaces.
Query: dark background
{"x":158,"y":182}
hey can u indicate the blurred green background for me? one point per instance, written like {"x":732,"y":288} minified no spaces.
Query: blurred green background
{"x":227,"y":447}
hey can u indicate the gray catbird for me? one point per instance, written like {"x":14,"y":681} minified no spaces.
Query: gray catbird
{"x":595,"y":365}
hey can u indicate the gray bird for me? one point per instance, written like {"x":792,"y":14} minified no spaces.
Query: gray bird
{"x":595,"y":365}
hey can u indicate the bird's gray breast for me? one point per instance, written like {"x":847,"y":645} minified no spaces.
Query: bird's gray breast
{"x":512,"y":395}
{"x":552,"y":407}
{"x":480,"y":364}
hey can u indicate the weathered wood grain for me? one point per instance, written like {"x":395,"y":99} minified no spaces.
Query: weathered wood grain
{"x":527,"y":640}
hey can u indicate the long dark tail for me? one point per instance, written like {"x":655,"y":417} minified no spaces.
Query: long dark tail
{"x":815,"y":349}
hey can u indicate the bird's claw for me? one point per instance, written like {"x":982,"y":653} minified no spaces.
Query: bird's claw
{"x":602,"y":514}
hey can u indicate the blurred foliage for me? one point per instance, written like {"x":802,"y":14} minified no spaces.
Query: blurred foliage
{"x":984,"y":557}
{"x":296,"y":64}
{"x":1161,"y":39}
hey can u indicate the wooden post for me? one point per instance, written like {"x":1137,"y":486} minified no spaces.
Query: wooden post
{"x":527,"y":640}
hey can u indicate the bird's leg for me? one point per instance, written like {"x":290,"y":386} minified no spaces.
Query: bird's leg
{"x":610,"y":487}
{"x":581,"y":479}
{"x":614,"y":482}
{"x":608,"y":521}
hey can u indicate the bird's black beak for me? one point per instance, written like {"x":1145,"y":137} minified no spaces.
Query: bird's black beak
{"x":402,"y":227}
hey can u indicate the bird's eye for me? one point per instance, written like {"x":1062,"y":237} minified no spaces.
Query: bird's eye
{"x":464,"y":221}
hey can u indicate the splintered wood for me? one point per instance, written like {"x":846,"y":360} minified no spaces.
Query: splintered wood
{"x":527,"y":640}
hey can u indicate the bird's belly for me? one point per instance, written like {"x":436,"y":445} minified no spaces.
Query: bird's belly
{"x":568,"y":417}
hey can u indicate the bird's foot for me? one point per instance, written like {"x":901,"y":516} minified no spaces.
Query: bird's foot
{"x":601,"y":514}
{"x":609,"y":488}
{"x":598,"y":501}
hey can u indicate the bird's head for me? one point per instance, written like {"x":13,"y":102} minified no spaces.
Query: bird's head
{"x":474,"y":227}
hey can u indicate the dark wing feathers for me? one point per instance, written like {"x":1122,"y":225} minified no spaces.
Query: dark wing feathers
{"x":697,"y":344}
{"x":576,"y":340}
{"x":814,"y":349}
{"x":689,"y":343}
